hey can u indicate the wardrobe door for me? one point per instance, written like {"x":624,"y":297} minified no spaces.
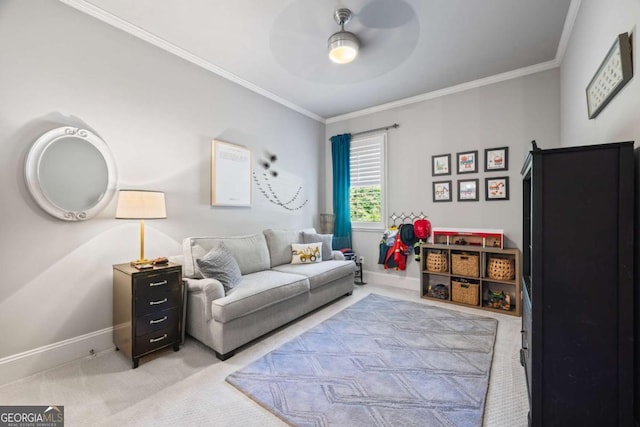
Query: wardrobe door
{"x":582,"y":286}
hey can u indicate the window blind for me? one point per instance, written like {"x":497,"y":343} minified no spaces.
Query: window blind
{"x":366,"y":162}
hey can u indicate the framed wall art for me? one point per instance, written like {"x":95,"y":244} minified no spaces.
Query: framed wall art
{"x":230,"y":174}
{"x":441,"y":165}
{"x":496,"y":159}
{"x":442,"y":191}
{"x":467,"y":162}
{"x":468,"y":190}
{"x":497,"y":188}
{"x":614,"y":72}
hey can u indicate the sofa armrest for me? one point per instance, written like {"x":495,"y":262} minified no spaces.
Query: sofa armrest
{"x":337,"y":256}
{"x":200,"y":294}
{"x":177,"y":259}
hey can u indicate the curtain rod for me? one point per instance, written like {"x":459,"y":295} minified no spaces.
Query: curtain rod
{"x":395,"y":126}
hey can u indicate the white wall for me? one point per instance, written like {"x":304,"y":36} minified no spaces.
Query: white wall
{"x":510,"y":113}
{"x":158,"y":115}
{"x":597,"y":25}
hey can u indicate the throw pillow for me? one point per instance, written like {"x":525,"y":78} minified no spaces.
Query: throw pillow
{"x":306,"y":253}
{"x":325,"y":239}
{"x":219,"y":264}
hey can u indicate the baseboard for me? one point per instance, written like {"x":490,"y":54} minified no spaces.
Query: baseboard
{"x":40,"y":359}
{"x":391,"y":279}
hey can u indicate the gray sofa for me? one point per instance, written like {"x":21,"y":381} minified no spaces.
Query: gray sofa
{"x":272,"y":291}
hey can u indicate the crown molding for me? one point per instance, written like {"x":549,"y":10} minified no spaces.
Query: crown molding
{"x":136,"y":31}
{"x":567,"y":29}
{"x":543,"y":66}
{"x":570,"y":20}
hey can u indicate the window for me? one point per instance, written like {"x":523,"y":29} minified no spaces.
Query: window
{"x":367,"y":193}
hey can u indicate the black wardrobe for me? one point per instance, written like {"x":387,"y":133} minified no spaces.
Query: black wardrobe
{"x":578,"y":285}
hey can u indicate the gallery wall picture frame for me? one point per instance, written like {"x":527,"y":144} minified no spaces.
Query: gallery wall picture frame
{"x":496,"y":159}
{"x":442,"y":191}
{"x":468,"y":190}
{"x":467,"y":162}
{"x":496,"y":188}
{"x":230,"y":174}
{"x":614,"y":73}
{"x":441,"y":165}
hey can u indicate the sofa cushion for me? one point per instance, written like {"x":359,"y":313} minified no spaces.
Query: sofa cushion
{"x":257,"y":291}
{"x":279,"y":244}
{"x":325,"y":239}
{"x":219,"y":264}
{"x":320,"y":274}
{"x":250,"y":252}
{"x":306,"y":253}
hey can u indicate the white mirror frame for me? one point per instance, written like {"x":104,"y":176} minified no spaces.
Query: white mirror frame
{"x":32,"y":166}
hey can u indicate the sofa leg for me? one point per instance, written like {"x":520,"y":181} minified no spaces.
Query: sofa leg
{"x":225,"y":356}
{"x":349,"y":293}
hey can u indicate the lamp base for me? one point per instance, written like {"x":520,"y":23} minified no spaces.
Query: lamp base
{"x":142,"y":262}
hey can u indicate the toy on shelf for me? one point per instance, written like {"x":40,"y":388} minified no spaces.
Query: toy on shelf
{"x":487,"y":238}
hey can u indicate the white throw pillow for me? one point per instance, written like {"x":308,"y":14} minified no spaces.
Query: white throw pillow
{"x":306,"y":253}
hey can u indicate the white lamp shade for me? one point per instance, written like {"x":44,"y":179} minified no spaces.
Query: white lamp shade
{"x":140,"y":204}
{"x":343,"y":47}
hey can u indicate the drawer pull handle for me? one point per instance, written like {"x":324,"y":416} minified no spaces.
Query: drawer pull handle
{"x":153,"y":322}
{"x":157,"y":339}
{"x":164,"y":282}
{"x":162,"y":301}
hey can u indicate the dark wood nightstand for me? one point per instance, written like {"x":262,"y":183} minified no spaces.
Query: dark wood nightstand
{"x":147,"y":309}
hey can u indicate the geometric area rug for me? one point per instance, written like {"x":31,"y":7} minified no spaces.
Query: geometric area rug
{"x":380,"y":362}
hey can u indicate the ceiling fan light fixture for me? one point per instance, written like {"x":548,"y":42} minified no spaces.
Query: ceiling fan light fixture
{"x":343,"y":45}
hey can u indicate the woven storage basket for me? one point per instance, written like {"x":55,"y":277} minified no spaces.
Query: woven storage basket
{"x":465,"y":265}
{"x":437,"y":262}
{"x":501,"y":268}
{"x":467,"y":293}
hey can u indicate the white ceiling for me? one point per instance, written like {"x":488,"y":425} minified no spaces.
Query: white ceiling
{"x":411,"y":49}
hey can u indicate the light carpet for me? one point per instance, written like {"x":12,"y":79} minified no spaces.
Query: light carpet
{"x":380,"y":362}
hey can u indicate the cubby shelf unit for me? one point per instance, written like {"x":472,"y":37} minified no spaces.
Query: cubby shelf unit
{"x":482,"y":281}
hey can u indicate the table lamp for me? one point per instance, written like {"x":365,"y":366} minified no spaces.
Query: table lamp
{"x":141,"y":204}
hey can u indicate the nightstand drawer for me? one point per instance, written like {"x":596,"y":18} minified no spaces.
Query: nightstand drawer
{"x":155,"y":340}
{"x":155,"y":321}
{"x":156,"y":282}
{"x":156,"y":302}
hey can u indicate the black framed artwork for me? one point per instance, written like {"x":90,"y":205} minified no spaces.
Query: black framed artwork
{"x":467,"y":162}
{"x":442,"y":191}
{"x":496,"y":159}
{"x":441,"y":165}
{"x":615,"y":71}
{"x":496,"y":188}
{"x":468,"y":190}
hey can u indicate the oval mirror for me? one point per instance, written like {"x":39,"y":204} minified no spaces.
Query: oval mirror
{"x":70,"y":173}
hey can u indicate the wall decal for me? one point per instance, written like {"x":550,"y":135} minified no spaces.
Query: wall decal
{"x":270,"y":186}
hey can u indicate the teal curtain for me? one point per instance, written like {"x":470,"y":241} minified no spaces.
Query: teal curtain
{"x":340,"y":152}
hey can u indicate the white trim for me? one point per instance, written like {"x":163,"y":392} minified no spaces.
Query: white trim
{"x":509,"y":75}
{"x":134,"y":30}
{"x":392,"y":279}
{"x":368,"y":229}
{"x":50,"y":356}
{"x":570,"y":20}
